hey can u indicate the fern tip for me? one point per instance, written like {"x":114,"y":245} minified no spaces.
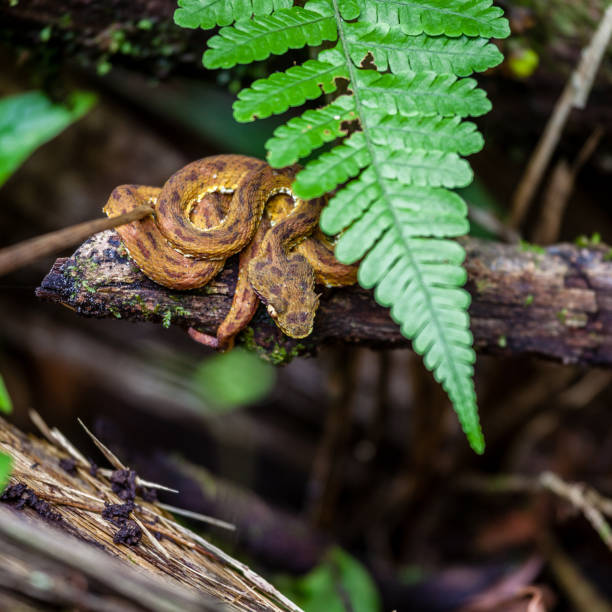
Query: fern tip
{"x":477,"y":442}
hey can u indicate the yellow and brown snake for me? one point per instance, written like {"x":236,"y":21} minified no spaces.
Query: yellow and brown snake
{"x":216,"y":207}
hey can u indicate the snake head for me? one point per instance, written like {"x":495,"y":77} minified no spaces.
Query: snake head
{"x":287,"y":290}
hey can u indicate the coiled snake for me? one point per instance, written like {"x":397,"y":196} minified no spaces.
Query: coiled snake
{"x":193,"y":230}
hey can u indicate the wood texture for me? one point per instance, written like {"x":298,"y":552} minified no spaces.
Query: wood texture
{"x":555,"y":303}
{"x":77,"y":561}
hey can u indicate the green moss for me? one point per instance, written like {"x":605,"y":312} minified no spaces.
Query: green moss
{"x":114,"y":312}
{"x":529,"y":300}
{"x":45,"y":34}
{"x":139,"y":302}
{"x":247,"y":337}
{"x":575,"y":319}
{"x":65,"y":21}
{"x":502,"y":342}
{"x":88,"y":287}
{"x":280,"y":356}
{"x":586,"y":242}
{"x":103,"y":67}
{"x":608,"y":256}
{"x":78,"y":272}
{"x":277,"y":355}
{"x":116,"y":40}
{"x":177,"y":311}
{"x":531,"y":248}
{"x":145,"y":24}
{"x":482,"y":285}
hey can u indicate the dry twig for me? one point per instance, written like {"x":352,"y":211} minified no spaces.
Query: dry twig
{"x":585,"y":499}
{"x":575,"y":94}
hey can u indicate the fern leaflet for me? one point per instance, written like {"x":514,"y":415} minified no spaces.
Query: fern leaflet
{"x":256,"y":39}
{"x":435,"y":17}
{"x":399,"y":66}
{"x":207,"y":14}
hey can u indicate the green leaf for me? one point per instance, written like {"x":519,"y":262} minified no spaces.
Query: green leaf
{"x":325,"y":588}
{"x":6,"y":465}
{"x":293,"y":87}
{"x":435,"y":17}
{"x":29,"y":120}
{"x":234,"y":379}
{"x":207,"y":14}
{"x":301,"y":135}
{"x":6,"y":405}
{"x":400,"y":53}
{"x":256,"y":39}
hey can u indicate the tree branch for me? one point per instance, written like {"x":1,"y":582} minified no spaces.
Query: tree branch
{"x":555,"y":303}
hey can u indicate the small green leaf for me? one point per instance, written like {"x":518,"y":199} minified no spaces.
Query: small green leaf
{"x":6,"y":465}
{"x":327,"y":587}
{"x":5,"y":399}
{"x":29,"y":120}
{"x":234,"y":379}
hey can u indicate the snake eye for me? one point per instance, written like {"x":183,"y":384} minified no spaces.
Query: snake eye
{"x":279,"y":307}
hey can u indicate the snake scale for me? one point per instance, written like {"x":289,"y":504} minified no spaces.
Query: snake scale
{"x":219,"y":206}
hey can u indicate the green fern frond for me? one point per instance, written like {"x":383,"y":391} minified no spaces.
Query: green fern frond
{"x":399,"y":118}
{"x":207,"y":14}
{"x":436,"y":17}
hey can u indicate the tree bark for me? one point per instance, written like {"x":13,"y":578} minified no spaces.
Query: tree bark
{"x":554,"y":302}
{"x":80,"y":557}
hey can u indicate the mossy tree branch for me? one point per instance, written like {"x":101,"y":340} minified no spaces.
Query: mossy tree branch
{"x":556,"y":303}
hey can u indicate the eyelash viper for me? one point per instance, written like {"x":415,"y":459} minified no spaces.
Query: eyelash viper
{"x":193,"y":230}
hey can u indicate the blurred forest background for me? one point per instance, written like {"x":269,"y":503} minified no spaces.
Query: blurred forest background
{"x":355,"y":450}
